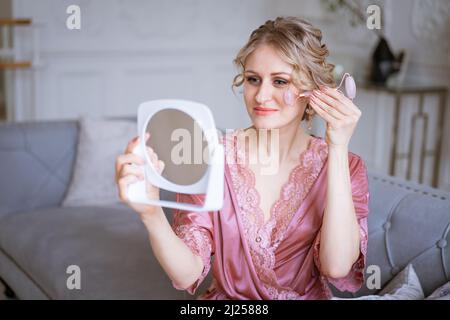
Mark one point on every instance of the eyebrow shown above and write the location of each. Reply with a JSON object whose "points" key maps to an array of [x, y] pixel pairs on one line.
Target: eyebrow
{"points": [[272, 74]]}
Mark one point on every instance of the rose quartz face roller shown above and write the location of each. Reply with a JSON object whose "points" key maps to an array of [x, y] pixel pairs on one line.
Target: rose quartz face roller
{"points": [[289, 97], [347, 81], [349, 86]]}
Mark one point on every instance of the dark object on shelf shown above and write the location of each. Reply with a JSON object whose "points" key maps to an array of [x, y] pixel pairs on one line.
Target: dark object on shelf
{"points": [[384, 62]]}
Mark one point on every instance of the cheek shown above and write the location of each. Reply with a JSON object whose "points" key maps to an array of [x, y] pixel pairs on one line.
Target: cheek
{"points": [[296, 110], [248, 96]]}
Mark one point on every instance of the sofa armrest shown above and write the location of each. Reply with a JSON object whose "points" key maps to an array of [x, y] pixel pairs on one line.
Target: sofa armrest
{"points": [[36, 163]]}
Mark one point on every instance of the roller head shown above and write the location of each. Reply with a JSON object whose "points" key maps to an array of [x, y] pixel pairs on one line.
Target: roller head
{"points": [[350, 87], [288, 98]]}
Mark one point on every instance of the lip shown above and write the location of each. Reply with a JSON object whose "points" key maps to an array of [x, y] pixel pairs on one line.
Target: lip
{"points": [[264, 111]]}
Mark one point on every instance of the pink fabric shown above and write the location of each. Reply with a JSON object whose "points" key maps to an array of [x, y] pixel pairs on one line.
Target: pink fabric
{"points": [[277, 259]]}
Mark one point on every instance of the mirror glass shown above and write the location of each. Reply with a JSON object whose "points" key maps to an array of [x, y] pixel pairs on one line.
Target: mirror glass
{"points": [[179, 141]]}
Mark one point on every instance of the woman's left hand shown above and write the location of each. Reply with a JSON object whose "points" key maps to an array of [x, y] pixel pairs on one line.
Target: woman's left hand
{"points": [[339, 112]]}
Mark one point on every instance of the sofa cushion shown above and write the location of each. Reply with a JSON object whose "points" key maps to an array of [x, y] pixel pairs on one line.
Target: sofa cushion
{"points": [[404, 286], [109, 244], [441, 293], [100, 142], [36, 163]]}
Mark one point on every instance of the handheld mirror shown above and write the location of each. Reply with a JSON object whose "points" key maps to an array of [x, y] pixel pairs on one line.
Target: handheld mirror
{"points": [[184, 136]]}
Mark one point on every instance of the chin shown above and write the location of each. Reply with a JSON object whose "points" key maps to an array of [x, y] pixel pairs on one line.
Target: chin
{"points": [[275, 122], [266, 124]]}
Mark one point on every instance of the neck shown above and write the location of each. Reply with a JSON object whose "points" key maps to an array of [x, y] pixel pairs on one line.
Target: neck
{"points": [[288, 141]]}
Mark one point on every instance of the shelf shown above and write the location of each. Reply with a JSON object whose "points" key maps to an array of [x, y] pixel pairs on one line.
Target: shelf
{"points": [[14, 22], [15, 65], [7, 52]]}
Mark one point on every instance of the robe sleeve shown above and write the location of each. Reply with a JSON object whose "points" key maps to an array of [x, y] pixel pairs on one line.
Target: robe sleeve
{"points": [[360, 193], [196, 231]]}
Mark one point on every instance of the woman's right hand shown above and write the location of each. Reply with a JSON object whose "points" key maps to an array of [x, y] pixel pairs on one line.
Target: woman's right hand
{"points": [[129, 170]]}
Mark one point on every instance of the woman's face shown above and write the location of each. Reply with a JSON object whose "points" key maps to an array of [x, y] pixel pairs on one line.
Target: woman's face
{"points": [[266, 78]]}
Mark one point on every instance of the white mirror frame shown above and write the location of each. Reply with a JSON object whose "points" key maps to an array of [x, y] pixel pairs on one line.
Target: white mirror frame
{"points": [[211, 184]]}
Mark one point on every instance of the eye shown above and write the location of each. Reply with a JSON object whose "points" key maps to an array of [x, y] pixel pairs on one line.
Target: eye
{"points": [[251, 80], [280, 82]]}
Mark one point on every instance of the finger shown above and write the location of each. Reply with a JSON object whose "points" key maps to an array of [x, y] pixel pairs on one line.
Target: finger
{"points": [[152, 155], [161, 166], [128, 169], [123, 184], [327, 108], [335, 94], [332, 92], [325, 116], [131, 144], [345, 103], [154, 159], [135, 141], [127, 158], [336, 104]]}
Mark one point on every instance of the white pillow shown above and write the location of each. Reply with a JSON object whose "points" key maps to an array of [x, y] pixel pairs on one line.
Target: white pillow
{"points": [[404, 286], [441, 293], [100, 142]]}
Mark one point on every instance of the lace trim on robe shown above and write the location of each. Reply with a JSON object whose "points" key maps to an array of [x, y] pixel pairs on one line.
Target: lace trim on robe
{"points": [[264, 238], [198, 241], [352, 281]]}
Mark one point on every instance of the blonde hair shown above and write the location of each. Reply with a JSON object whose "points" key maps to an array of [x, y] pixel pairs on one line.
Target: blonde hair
{"points": [[299, 44]]}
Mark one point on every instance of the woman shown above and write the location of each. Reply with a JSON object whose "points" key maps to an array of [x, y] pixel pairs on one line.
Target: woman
{"points": [[285, 234]]}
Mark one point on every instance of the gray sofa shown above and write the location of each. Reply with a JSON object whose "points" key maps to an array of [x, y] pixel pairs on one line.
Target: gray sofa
{"points": [[39, 239]]}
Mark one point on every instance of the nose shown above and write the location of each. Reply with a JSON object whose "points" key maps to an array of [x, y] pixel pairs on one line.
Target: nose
{"points": [[264, 94]]}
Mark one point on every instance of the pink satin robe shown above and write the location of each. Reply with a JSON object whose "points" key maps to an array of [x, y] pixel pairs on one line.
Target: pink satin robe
{"points": [[278, 259]]}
